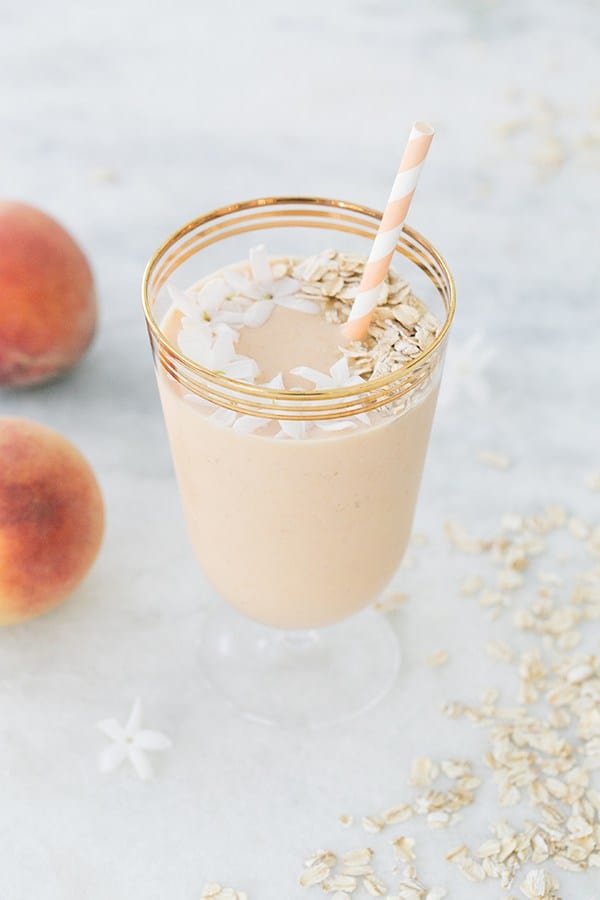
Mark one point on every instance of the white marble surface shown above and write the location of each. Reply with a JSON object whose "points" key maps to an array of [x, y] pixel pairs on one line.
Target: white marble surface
{"points": [[198, 104]]}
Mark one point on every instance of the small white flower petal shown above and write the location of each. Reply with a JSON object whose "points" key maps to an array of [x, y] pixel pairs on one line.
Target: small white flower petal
{"points": [[243, 368], [233, 317], [213, 293], [223, 350], [319, 379], [152, 740], [140, 762], [297, 303], [198, 327], [258, 313], [335, 424], [225, 417], [112, 729], [244, 289], [293, 428], [222, 328], [276, 383], [134, 721], [340, 372], [249, 424], [238, 282], [111, 757], [259, 264], [195, 346], [181, 301], [240, 302], [285, 286]]}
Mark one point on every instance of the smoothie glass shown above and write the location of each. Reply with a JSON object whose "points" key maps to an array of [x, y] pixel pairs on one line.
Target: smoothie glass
{"points": [[298, 536]]}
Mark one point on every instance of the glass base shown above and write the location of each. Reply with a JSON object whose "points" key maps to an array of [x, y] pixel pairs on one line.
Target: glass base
{"points": [[306, 679]]}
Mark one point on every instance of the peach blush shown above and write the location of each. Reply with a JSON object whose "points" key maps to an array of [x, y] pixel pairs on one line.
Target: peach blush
{"points": [[48, 299], [51, 519]]}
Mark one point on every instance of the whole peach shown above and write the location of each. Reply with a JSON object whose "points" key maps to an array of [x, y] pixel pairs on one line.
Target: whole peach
{"points": [[51, 519], [47, 298]]}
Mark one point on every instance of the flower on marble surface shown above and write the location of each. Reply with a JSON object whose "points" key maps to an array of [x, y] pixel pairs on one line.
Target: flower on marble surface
{"points": [[466, 371], [132, 742]]}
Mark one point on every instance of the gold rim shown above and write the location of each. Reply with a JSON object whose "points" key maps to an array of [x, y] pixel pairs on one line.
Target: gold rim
{"points": [[411, 246]]}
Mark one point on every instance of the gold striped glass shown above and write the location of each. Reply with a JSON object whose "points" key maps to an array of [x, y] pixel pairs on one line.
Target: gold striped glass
{"points": [[287, 223], [300, 536]]}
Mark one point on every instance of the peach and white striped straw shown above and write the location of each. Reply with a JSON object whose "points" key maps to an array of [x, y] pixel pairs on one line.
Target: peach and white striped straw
{"points": [[389, 231]]}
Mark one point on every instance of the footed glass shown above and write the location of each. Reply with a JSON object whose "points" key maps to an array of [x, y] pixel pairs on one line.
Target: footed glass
{"points": [[298, 536]]}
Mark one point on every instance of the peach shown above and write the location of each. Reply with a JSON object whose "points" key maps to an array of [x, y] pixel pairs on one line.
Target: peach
{"points": [[51, 519], [47, 298]]}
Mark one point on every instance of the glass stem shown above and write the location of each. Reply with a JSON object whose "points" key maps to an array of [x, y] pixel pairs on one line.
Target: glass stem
{"points": [[299, 641]]}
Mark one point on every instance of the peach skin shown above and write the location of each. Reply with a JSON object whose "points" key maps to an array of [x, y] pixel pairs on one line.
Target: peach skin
{"points": [[47, 298], [51, 519]]}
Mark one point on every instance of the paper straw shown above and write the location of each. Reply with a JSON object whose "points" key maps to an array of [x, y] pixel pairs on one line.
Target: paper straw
{"points": [[390, 227]]}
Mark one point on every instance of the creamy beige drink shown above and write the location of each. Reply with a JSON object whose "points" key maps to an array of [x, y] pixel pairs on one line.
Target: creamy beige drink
{"points": [[298, 524]]}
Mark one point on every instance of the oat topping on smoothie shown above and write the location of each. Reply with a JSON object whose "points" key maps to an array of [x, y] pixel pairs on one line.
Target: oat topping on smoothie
{"points": [[216, 314]]}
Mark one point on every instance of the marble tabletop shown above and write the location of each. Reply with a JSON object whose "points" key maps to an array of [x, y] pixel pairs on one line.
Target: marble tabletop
{"points": [[125, 120]]}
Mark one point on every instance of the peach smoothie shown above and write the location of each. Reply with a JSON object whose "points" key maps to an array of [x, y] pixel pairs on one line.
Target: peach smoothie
{"points": [[297, 524]]}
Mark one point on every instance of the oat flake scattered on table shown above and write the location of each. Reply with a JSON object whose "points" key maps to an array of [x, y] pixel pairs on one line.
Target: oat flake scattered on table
{"points": [[543, 748], [214, 891]]}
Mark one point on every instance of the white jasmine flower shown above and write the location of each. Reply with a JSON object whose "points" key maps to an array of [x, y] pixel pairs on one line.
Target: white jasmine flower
{"points": [[339, 377], [215, 350], [288, 428], [293, 428], [212, 294], [130, 742], [250, 424], [263, 286], [204, 304], [228, 418], [215, 303], [465, 371], [236, 300], [297, 429], [253, 316], [243, 424]]}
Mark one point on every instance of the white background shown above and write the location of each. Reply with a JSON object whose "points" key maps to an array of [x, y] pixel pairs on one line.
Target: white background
{"points": [[191, 105]]}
